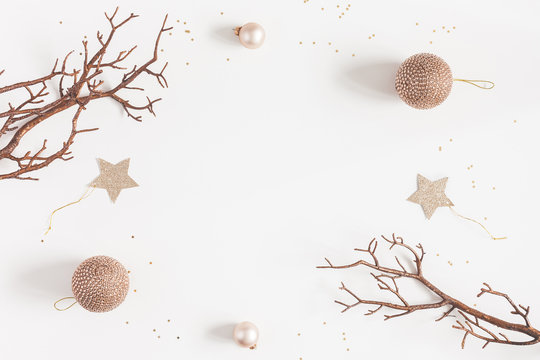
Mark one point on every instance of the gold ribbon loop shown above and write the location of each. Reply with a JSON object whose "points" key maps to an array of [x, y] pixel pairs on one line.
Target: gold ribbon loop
{"points": [[86, 194], [62, 299], [482, 84], [474, 221]]}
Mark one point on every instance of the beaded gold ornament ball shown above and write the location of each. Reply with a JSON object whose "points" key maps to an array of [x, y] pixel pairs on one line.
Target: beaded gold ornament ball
{"points": [[424, 81], [100, 284]]}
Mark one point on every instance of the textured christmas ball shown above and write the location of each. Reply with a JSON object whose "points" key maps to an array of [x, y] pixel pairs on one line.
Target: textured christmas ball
{"points": [[100, 284], [424, 81]]}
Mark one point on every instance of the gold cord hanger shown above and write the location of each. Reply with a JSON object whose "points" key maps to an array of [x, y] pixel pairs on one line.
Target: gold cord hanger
{"points": [[488, 85]]}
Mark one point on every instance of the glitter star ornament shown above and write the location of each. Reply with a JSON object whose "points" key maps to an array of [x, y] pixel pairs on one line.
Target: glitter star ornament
{"points": [[113, 178], [430, 195]]}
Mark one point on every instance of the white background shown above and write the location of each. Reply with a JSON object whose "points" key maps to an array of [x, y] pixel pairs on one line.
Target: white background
{"points": [[257, 168]]}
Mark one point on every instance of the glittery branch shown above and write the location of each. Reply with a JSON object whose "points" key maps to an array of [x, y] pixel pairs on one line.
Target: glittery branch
{"points": [[85, 87], [469, 320]]}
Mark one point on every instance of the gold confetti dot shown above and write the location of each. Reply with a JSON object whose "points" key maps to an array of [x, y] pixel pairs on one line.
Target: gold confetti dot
{"points": [[342, 333], [453, 27], [353, 55], [373, 35], [474, 304], [437, 254], [322, 9], [129, 271], [433, 30], [169, 320], [298, 334], [473, 181], [60, 22], [369, 37], [474, 186], [187, 63], [324, 323], [338, 6], [192, 39], [177, 21], [178, 337], [448, 31], [170, 33], [329, 43], [42, 240], [314, 43], [127, 322], [161, 50], [185, 23], [228, 59], [451, 140], [337, 50], [515, 121], [417, 24], [221, 13], [133, 236], [485, 218], [187, 31], [159, 337], [494, 188], [347, 349], [440, 148], [134, 290], [340, 16], [431, 42], [150, 263], [466, 262], [342, 13], [154, 330], [300, 43], [444, 27], [344, 339]]}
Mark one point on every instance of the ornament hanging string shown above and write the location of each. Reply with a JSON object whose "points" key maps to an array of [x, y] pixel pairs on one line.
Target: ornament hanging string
{"points": [[490, 84], [477, 222], [86, 194], [62, 299]]}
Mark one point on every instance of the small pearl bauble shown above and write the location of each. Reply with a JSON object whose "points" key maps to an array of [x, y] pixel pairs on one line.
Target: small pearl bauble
{"points": [[246, 334], [251, 35], [424, 81]]}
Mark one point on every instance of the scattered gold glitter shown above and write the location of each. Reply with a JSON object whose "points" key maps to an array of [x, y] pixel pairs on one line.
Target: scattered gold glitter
{"points": [[161, 50], [85, 36], [324, 323], [127, 322], [322, 9], [466, 262], [159, 337], [185, 23], [515, 121], [221, 13], [60, 22], [494, 188], [347, 349], [340, 16], [342, 333], [473, 181], [453, 27], [187, 63], [369, 37], [338, 6], [474, 186], [437, 254], [154, 330], [431, 42], [448, 31], [177, 21], [344, 339], [228, 59], [444, 27], [440, 148], [417, 24], [451, 140], [187, 31], [314, 43], [329, 43], [134, 290], [337, 50], [485, 218], [80, 53], [433, 30], [192, 39], [300, 43], [373, 35], [353, 55]]}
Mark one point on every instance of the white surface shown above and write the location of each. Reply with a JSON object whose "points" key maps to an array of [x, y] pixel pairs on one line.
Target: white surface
{"points": [[256, 169]]}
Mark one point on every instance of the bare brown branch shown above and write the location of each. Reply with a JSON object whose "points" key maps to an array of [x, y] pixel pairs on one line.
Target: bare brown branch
{"points": [[472, 322], [86, 86]]}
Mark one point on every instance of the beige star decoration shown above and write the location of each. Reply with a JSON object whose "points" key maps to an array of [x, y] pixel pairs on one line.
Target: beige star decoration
{"points": [[430, 195], [113, 178]]}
